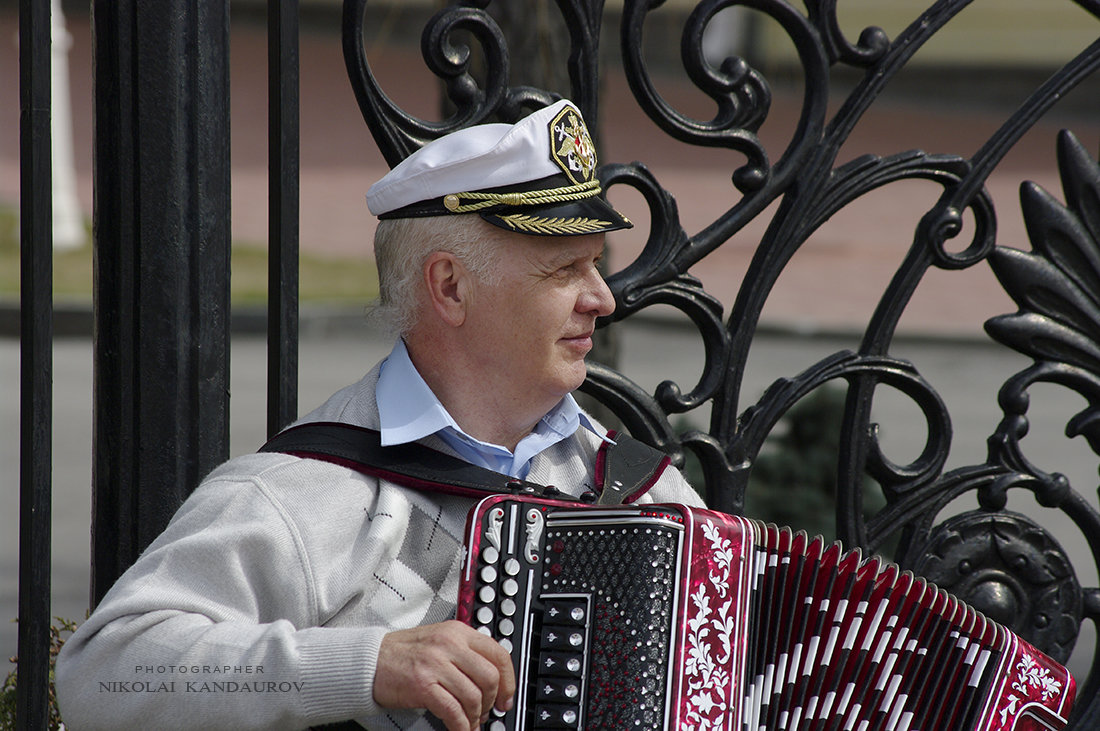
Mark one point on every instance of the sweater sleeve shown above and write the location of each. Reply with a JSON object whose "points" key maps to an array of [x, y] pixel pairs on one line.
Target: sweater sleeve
{"points": [[221, 621]]}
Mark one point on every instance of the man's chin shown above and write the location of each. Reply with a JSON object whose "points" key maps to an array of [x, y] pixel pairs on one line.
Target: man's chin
{"points": [[579, 377]]}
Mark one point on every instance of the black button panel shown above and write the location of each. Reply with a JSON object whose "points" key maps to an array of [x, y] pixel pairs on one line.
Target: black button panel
{"points": [[583, 602]]}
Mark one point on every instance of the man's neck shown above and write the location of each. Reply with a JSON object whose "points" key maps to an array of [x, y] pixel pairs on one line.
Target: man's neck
{"points": [[482, 408]]}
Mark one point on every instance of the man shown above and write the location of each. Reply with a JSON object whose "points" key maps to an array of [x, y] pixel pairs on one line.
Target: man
{"points": [[291, 592]]}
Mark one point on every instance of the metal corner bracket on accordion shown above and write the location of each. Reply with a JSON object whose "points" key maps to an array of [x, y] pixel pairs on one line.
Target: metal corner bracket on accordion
{"points": [[670, 617]]}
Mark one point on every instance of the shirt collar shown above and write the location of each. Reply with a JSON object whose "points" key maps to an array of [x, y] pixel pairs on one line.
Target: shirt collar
{"points": [[408, 410]]}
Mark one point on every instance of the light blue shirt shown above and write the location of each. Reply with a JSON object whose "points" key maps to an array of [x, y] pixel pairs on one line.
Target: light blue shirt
{"points": [[408, 410]]}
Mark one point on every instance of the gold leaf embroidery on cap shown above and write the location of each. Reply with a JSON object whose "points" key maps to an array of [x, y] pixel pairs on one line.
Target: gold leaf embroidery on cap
{"points": [[571, 146], [559, 226]]}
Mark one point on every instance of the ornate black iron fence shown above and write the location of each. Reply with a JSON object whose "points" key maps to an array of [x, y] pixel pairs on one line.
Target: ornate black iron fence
{"points": [[162, 248], [1030, 583]]}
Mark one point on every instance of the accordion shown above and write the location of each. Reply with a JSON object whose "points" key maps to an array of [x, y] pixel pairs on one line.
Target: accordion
{"points": [[670, 617]]}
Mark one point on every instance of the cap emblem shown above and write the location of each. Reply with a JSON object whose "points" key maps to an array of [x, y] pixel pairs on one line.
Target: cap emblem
{"points": [[571, 146]]}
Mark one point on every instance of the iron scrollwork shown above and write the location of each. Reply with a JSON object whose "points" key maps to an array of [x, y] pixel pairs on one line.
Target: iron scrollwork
{"points": [[1007, 564]]}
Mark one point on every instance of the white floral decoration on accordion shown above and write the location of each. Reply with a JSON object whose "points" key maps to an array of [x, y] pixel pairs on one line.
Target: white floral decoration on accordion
{"points": [[707, 676], [1035, 675], [1030, 674], [723, 556]]}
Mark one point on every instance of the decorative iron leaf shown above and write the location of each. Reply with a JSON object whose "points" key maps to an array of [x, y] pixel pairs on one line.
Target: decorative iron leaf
{"points": [[1080, 182], [1045, 339], [1038, 286], [1057, 286]]}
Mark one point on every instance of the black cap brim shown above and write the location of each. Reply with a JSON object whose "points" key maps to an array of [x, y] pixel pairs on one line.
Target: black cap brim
{"points": [[578, 215]]}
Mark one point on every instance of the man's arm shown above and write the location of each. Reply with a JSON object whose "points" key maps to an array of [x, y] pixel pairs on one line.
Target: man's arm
{"points": [[214, 626], [221, 622]]}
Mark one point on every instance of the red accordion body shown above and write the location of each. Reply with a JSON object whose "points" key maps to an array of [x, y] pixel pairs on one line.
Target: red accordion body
{"points": [[671, 617]]}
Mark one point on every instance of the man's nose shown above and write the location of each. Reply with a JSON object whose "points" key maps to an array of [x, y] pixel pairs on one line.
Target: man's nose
{"points": [[597, 298]]}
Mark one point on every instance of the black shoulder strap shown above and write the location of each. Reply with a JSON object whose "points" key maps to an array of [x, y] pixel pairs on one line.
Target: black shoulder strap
{"points": [[413, 465], [624, 469]]}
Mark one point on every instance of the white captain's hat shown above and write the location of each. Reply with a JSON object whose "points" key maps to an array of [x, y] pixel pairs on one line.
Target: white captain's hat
{"points": [[537, 176]]}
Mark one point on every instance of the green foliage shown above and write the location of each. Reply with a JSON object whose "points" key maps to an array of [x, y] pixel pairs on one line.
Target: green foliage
{"points": [[322, 279], [58, 634], [794, 479], [72, 269], [9, 229]]}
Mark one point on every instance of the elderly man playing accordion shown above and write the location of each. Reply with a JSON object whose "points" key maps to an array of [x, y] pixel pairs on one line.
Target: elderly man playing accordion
{"points": [[338, 588]]}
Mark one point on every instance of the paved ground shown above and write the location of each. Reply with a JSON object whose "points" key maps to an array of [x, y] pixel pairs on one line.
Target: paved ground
{"points": [[832, 284]]}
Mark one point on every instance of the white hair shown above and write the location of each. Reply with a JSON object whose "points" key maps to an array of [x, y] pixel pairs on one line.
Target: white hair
{"points": [[401, 246]]}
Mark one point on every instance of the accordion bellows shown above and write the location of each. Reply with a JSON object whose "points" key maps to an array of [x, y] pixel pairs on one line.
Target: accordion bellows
{"points": [[670, 617]]}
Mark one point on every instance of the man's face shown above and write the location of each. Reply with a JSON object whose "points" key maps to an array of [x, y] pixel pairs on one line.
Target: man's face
{"points": [[534, 326]]}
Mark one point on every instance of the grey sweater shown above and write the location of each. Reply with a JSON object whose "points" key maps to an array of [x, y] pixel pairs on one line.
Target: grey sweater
{"points": [[263, 603]]}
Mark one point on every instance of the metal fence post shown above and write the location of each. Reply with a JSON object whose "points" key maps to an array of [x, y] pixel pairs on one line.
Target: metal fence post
{"points": [[162, 235], [36, 365], [283, 190]]}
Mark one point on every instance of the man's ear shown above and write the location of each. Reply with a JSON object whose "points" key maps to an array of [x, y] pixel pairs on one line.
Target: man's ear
{"points": [[448, 284]]}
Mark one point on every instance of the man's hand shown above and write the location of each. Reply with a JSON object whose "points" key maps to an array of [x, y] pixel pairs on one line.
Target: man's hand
{"points": [[451, 669]]}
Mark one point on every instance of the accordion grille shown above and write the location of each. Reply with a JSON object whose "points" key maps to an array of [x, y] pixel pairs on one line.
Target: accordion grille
{"points": [[629, 573]]}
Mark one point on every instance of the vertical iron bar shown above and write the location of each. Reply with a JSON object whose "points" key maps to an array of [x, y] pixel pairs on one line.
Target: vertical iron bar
{"points": [[36, 363], [114, 263], [283, 187], [161, 260]]}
